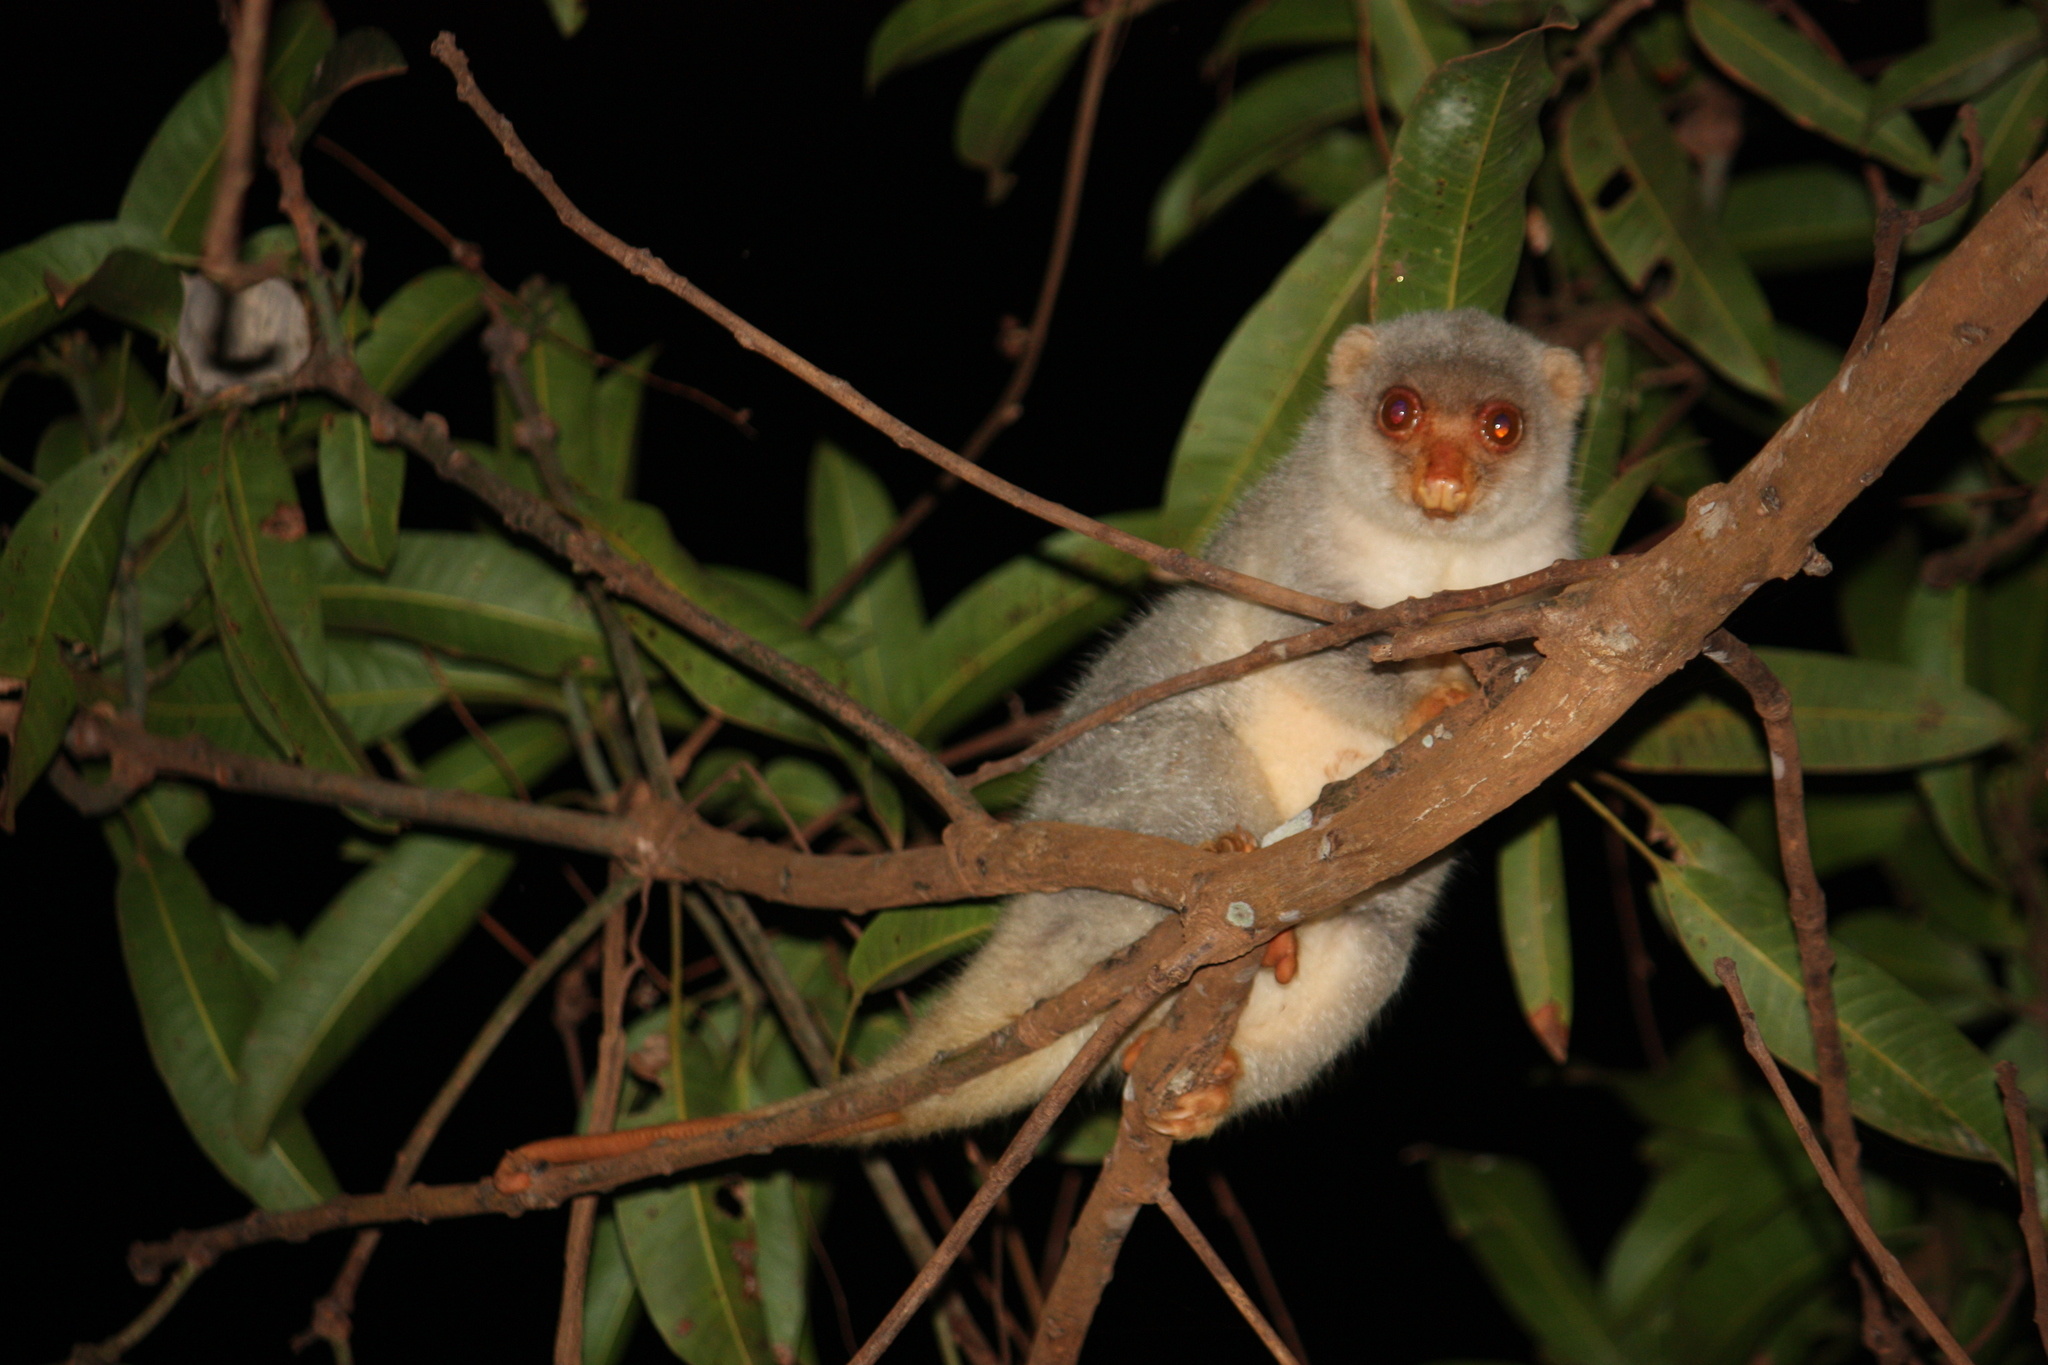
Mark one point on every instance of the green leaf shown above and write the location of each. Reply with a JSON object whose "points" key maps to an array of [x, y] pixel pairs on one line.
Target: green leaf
{"points": [[564, 381], [201, 698], [384, 933], [1268, 377], [615, 436], [1284, 23], [1605, 517], [1604, 427], [1843, 830], [1017, 619], [171, 190], [360, 56], [1853, 715], [1331, 171], [611, 1301], [361, 483], [1910, 1072], [55, 572], [379, 687], [2010, 119], [1637, 192], [1010, 89], [1961, 63], [1535, 925], [918, 30], [1501, 1209], [1935, 638], [424, 317], [1929, 879], [900, 944], [879, 628], [139, 289], [467, 594], [1410, 40], [1804, 83], [716, 684], [2010, 640], [72, 255], [251, 540], [1947, 973], [1266, 124], [195, 1006], [1799, 217]]}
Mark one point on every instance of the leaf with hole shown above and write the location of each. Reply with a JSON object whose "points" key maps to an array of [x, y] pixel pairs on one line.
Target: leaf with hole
{"points": [[1804, 83], [385, 932], [1636, 190], [1456, 204], [1268, 377], [195, 1005]]}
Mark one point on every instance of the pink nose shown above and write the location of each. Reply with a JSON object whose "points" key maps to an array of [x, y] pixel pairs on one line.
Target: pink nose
{"points": [[1443, 482]]}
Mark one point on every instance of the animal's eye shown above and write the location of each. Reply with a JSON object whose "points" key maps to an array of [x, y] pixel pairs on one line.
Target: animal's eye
{"points": [[1400, 410], [1500, 425]]}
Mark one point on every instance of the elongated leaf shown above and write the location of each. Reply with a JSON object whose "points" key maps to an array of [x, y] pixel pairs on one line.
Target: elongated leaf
{"points": [[139, 289], [171, 190], [1019, 618], [1853, 715], [918, 30], [1010, 89], [251, 540], [1959, 64], [1946, 972], [615, 435], [1410, 40], [1285, 23], [195, 1006], [379, 687], [72, 255], [1928, 879], [360, 486], [1934, 637], [1805, 84], [358, 57], [2010, 640], [1500, 1208], [611, 1300], [1451, 236], [901, 944], [386, 930], [2010, 120], [201, 698], [564, 381], [1267, 123], [55, 573], [423, 318], [1536, 927], [1637, 193], [472, 595], [1604, 426], [1602, 522], [1331, 171], [716, 684], [1268, 377], [1910, 1072], [1798, 217], [879, 628]]}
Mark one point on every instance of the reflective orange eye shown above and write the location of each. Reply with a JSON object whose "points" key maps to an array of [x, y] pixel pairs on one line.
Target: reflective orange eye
{"points": [[1500, 425], [1400, 410]]}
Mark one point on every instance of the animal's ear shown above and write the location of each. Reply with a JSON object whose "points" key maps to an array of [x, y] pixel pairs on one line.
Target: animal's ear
{"points": [[1566, 375], [1354, 351]]}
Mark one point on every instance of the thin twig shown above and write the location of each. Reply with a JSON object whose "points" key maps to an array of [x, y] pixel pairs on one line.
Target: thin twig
{"points": [[1368, 88], [1635, 953], [513, 782], [1888, 1266], [220, 257], [1255, 1256], [1009, 404], [1895, 225], [116, 1347], [1970, 561], [331, 1314], [604, 1110], [651, 268], [2015, 1101], [1807, 902], [1206, 1253]]}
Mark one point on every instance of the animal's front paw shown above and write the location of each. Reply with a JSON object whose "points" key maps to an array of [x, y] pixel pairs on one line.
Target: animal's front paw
{"points": [[1283, 955], [1195, 1113], [1239, 840]]}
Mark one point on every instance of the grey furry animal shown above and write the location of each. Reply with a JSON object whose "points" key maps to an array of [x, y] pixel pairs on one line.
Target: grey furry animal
{"points": [[1440, 458]]}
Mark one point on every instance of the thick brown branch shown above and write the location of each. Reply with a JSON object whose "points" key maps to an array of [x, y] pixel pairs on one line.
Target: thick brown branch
{"points": [[220, 256], [1888, 1266], [655, 271]]}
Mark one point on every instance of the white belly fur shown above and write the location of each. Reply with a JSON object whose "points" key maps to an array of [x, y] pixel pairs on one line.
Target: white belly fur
{"points": [[1298, 743]]}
